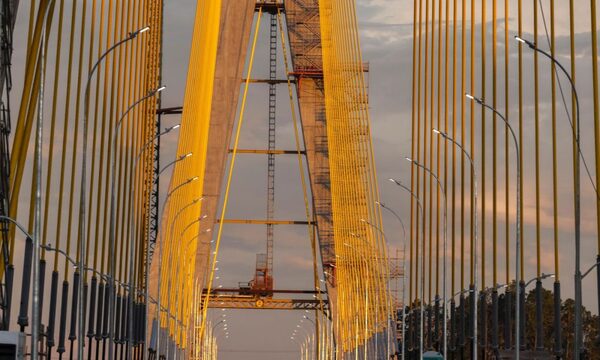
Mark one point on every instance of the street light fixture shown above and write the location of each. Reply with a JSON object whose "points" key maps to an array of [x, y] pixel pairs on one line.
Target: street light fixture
{"points": [[437, 179], [132, 228], [475, 293], [384, 206], [170, 264], [578, 341], [517, 225], [161, 251], [82, 217], [539, 278], [420, 207], [112, 234]]}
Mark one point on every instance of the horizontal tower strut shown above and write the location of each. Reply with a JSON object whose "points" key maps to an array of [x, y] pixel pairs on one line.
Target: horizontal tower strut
{"points": [[170, 110], [269, 81], [266, 222], [270, 7], [251, 302], [269, 152], [236, 291]]}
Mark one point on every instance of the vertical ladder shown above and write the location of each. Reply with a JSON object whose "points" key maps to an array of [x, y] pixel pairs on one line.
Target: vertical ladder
{"points": [[271, 146]]}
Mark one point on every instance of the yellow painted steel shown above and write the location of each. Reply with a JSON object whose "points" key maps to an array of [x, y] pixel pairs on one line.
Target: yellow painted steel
{"points": [[506, 142], [573, 100], [554, 144], [361, 269], [537, 142], [453, 134], [179, 258], [483, 148], [596, 101]]}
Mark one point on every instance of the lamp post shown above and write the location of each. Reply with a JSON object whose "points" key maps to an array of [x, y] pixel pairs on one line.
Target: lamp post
{"points": [[476, 271], [115, 135], [111, 239], [82, 206], [578, 344], [384, 206], [132, 288], [309, 319], [309, 344], [160, 265], [35, 314], [437, 179], [539, 278], [188, 181], [300, 345], [517, 222], [181, 158], [462, 292], [177, 272], [420, 206]]}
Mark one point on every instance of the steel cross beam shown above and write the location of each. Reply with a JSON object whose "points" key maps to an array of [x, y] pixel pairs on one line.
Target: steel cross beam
{"points": [[265, 222], [259, 303], [270, 6]]}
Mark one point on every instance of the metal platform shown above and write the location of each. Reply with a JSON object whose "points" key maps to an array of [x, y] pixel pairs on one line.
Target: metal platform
{"points": [[260, 303]]}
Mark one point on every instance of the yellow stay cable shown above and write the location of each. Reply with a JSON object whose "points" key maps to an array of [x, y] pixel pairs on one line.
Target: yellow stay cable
{"points": [[381, 261], [230, 175], [372, 181], [596, 91], [63, 152], [353, 45], [520, 32], [453, 134], [419, 235], [494, 146], [506, 140], [94, 111], [412, 154], [140, 88], [121, 150], [102, 166], [94, 127], [30, 27], [26, 113], [482, 232], [554, 148], [53, 126], [358, 255], [75, 142], [127, 137], [537, 142], [573, 100], [429, 163], [472, 205], [352, 217], [438, 152], [462, 139], [107, 121], [426, 130]]}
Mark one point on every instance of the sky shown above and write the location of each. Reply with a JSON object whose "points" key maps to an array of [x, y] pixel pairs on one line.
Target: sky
{"points": [[386, 38]]}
